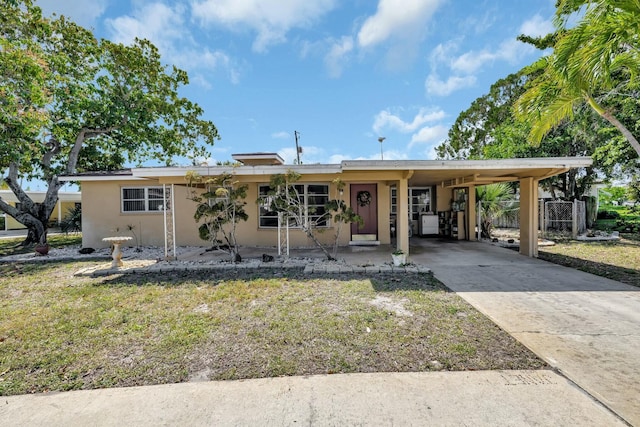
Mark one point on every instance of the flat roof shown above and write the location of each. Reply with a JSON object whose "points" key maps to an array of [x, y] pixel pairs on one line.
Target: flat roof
{"points": [[418, 172]]}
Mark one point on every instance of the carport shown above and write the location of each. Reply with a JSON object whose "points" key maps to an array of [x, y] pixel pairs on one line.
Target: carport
{"points": [[446, 176]]}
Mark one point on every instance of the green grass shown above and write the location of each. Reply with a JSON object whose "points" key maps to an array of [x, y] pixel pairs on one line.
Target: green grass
{"points": [[626, 216], [10, 246], [59, 332]]}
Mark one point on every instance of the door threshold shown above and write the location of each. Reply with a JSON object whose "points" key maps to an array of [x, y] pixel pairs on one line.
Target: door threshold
{"points": [[364, 243]]}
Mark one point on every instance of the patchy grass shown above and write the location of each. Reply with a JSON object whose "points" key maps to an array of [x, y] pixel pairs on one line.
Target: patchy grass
{"points": [[617, 260], [10, 246], [59, 332]]}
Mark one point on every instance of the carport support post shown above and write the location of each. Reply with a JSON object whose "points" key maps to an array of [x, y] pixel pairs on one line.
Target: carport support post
{"points": [[402, 221], [529, 217], [471, 206]]}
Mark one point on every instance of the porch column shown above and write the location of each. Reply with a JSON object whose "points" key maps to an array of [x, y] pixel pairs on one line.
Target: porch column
{"points": [[529, 217], [473, 215], [402, 221]]}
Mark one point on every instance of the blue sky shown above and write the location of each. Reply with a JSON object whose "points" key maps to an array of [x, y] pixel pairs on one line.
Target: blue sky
{"points": [[341, 73]]}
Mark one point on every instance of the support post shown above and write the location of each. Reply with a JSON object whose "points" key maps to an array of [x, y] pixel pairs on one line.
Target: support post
{"points": [[169, 223], [529, 217], [574, 218], [471, 206], [402, 221]]}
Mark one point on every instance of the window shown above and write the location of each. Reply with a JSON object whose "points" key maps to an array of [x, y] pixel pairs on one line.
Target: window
{"points": [[419, 201], [142, 199], [314, 197]]}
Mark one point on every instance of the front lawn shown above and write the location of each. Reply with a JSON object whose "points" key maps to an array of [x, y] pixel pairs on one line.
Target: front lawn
{"points": [[9, 246], [59, 332], [617, 260]]}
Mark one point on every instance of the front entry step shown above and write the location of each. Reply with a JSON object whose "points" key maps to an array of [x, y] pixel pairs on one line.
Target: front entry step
{"points": [[364, 240]]}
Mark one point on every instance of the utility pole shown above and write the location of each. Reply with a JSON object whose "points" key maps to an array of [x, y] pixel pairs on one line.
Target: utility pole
{"points": [[296, 134]]}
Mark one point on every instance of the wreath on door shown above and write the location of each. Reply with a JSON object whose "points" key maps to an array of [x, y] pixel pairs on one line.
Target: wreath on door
{"points": [[363, 198]]}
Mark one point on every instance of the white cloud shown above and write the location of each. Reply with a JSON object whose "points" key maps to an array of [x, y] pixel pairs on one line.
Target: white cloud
{"points": [[271, 20], [166, 28], [435, 86], [537, 27], [338, 55], [464, 67], [310, 154], [429, 135], [509, 50], [387, 154], [82, 12], [154, 21], [386, 120], [281, 135], [397, 19]]}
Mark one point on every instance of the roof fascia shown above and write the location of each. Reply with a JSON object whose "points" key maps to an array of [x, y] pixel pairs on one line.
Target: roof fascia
{"points": [[532, 163], [236, 170]]}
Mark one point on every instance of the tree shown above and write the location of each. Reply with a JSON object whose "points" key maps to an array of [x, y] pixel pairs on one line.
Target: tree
{"points": [[220, 208], [285, 198], [71, 103], [476, 127], [613, 194], [489, 130], [496, 200], [596, 59]]}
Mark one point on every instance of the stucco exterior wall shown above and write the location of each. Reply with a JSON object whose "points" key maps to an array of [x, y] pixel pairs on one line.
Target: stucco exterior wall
{"points": [[103, 217], [443, 198]]}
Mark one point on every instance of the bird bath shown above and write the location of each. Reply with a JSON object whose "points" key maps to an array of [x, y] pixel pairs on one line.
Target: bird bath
{"points": [[117, 253]]}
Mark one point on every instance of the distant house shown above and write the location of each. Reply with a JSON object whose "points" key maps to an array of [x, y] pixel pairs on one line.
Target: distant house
{"points": [[66, 200], [403, 198]]}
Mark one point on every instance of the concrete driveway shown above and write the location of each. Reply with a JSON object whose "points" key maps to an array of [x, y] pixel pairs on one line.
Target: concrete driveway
{"points": [[585, 326]]}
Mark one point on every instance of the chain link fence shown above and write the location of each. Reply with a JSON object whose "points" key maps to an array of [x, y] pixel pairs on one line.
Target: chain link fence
{"points": [[564, 217], [554, 216]]}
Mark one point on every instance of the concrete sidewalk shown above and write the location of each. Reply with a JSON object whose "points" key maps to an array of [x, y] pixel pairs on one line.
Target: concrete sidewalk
{"points": [[489, 398]]}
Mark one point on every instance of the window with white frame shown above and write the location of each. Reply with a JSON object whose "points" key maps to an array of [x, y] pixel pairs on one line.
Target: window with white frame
{"points": [[142, 199], [313, 197], [419, 201]]}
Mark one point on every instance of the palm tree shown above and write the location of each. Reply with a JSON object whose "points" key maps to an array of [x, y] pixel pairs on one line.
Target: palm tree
{"points": [[496, 201], [596, 59]]}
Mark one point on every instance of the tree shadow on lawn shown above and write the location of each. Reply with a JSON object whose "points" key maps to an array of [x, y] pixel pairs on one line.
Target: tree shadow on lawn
{"points": [[624, 275], [381, 282]]}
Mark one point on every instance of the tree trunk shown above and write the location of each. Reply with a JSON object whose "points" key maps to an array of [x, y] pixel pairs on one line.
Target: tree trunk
{"points": [[34, 216], [607, 115]]}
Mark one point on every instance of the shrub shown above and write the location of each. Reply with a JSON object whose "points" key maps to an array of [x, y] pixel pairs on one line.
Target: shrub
{"points": [[72, 221], [608, 215]]}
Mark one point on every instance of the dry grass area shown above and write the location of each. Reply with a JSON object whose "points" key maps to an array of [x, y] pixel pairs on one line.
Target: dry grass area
{"points": [[59, 332], [617, 260]]}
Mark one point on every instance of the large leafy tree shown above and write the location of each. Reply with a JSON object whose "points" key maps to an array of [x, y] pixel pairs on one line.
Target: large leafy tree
{"points": [[70, 102], [477, 127], [489, 130], [593, 62]]}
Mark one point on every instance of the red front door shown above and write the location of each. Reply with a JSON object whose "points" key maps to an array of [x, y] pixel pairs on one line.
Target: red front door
{"points": [[364, 201]]}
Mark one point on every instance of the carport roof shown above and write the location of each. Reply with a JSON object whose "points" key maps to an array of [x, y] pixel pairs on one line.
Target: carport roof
{"points": [[447, 173]]}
